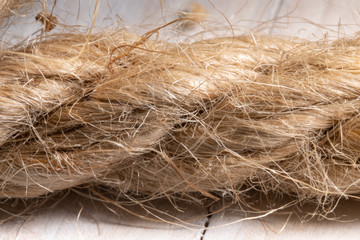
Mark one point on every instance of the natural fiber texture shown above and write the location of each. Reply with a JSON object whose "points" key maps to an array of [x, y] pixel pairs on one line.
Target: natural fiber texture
{"points": [[9, 8], [149, 118]]}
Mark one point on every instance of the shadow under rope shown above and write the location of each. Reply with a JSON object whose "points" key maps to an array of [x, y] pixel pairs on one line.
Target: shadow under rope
{"points": [[70, 211]]}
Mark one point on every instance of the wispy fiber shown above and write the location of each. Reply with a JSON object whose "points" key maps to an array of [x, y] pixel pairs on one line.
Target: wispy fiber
{"points": [[209, 119]]}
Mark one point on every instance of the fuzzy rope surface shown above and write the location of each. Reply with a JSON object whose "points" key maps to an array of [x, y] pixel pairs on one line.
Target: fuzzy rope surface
{"points": [[150, 118]]}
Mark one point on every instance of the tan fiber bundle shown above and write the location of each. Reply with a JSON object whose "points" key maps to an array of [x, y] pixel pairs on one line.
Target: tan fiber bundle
{"points": [[149, 118]]}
